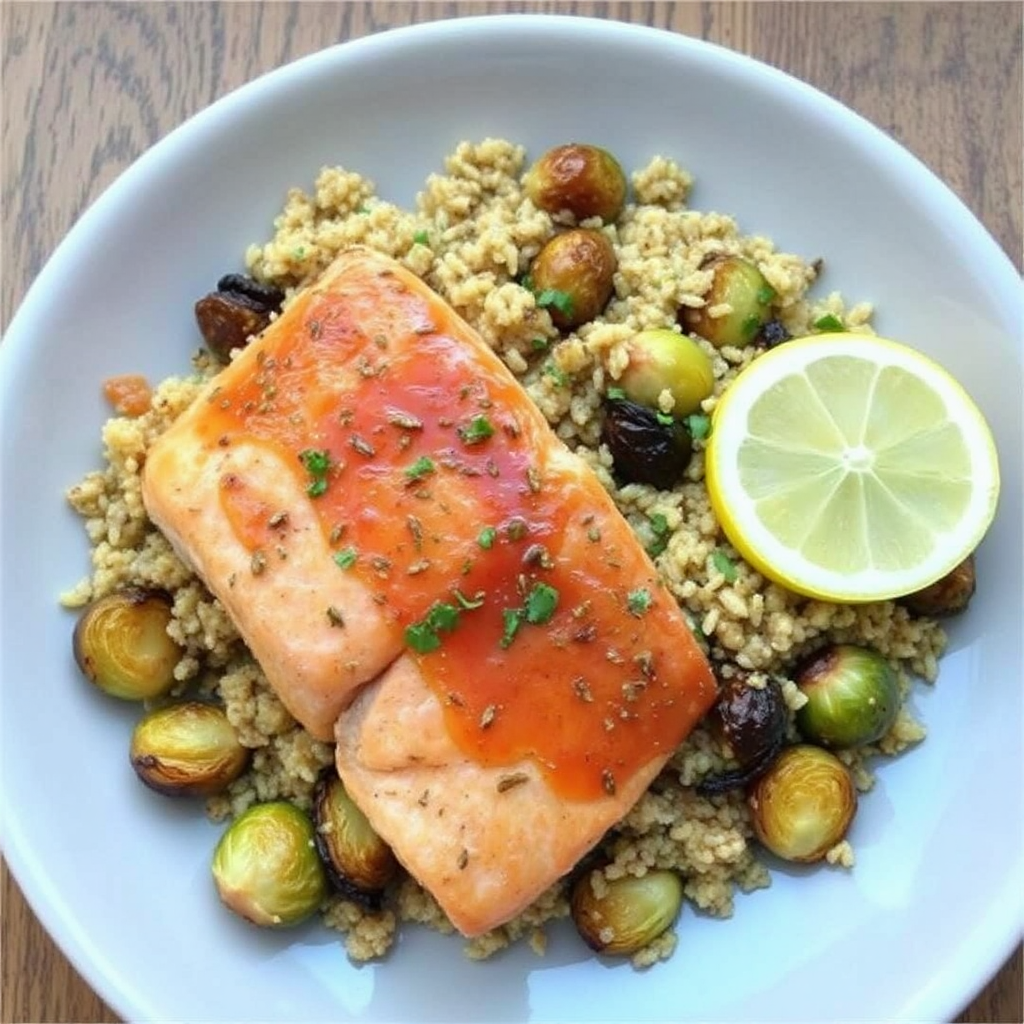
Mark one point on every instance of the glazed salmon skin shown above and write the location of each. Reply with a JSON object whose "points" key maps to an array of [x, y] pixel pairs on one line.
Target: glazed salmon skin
{"points": [[429, 577]]}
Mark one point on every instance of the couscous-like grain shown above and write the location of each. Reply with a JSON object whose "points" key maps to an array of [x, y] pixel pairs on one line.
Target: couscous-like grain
{"points": [[471, 237]]}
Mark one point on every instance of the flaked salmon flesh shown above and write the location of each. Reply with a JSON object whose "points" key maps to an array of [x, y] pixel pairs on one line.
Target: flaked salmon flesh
{"points": [[430, 579]]}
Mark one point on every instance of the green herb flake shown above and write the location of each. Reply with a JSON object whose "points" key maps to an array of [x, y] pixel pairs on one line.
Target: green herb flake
{"points": [[317, 462], [765, 294], [539, 344], [725, 565], [659, 527], [699, 425], [513, 619], [486, 537], [316, 488], [828, 322], [664, 419], [562, 301], [422, 467], [638, 601], [616, 394], [421, 638], [479, 429], [556, 374], [541, 603], [421, 238], [346, 558], [299, 252], [442, 617], [526, 282]]}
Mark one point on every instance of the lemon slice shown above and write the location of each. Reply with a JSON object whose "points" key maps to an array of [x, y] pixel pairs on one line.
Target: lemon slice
{"points": [[850, 468]]}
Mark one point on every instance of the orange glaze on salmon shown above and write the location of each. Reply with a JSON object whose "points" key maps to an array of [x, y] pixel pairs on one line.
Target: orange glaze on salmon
{"points": [[389, 519]]}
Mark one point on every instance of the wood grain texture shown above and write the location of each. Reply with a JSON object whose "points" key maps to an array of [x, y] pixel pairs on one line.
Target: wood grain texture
{"points": [[88, 87]]}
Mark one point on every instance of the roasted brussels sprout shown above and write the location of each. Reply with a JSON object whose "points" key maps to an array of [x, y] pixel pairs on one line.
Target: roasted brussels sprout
{"points": [[573, 276], [358, 861], [737, 283], [803, 804], [665, 360], [852, 697], [121, 644], [187, 749], [629, 914], [585, 180], [947, 596], [266, 868], [645, 450], [751, 721], [239, 308]]}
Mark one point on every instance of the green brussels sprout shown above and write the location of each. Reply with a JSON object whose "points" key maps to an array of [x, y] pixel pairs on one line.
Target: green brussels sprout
{"points": [[121, 644], [573, 276], [187, 749], [358, 861], [266, 867], [631, 912], [665, 360], [735, 282], [852, 697], [803, 804], [949, 595], [585, 180]]}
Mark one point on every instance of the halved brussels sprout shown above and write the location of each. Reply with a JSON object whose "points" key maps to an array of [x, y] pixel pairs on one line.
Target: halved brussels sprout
{"points": [[358, 861], [949, 595], [187, 749], [803, 804], [852, 697], [121, 644], [630, 914], [735, 282], [573, 276], [585, 180], [266, 867], [665, 360]]}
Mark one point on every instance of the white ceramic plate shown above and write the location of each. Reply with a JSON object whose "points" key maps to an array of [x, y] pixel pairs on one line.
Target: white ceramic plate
{"points": [[122, 879]]}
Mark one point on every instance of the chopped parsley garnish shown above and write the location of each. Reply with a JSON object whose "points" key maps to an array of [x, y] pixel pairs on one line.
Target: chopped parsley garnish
{"points": [[556, 374], [828, 322], [422, 467], [562, 301], [299, 252], [699, 425], [513, 619], [765, 294], [421, 238], [724, 564], [751, 325], [638, 601], [346, 558], [659, 527], [317, 462], [526, 282], [541, 603], [478, 429], [664, 419], [616, 394], [424, 636], [539, 344], [486, 537]]}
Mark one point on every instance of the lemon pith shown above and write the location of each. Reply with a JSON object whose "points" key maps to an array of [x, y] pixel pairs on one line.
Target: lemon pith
{"points": [[848, 467]]}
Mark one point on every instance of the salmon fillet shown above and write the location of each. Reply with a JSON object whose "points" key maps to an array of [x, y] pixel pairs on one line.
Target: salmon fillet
{"points": [[430, 578]]}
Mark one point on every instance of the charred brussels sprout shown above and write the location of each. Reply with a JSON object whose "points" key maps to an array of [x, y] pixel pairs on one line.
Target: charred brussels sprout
{"points": [[266, 868], [585, 180], [629, 914], [947, 596], [187, 749], [645, 449], [665, 360], [573, 276], [358, 861], [239, 308], [852, 697], [803, 805], [737, 283], [751, 721], [121, 644]]}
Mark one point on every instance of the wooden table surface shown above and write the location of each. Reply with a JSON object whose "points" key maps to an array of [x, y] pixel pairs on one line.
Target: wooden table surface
{"points": [[88, 87]]}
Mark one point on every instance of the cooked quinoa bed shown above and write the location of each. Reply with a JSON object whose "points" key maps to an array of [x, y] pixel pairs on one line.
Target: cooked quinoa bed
{"points": [[471, 237]]}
